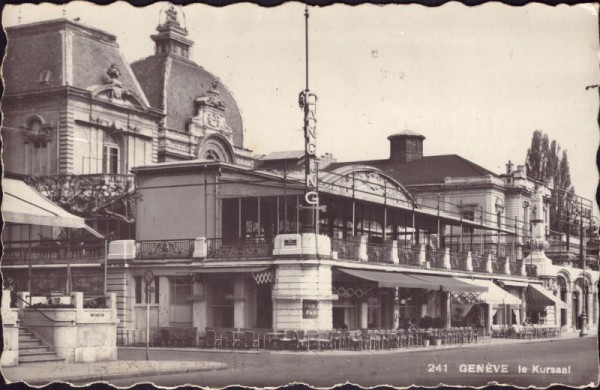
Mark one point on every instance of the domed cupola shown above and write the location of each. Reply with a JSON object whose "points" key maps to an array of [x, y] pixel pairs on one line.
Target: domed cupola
{"points": [[197, 105], [171, 38]]}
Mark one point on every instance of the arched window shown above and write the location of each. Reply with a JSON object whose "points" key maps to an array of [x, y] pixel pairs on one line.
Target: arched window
{"points": [[37, 151], [111, 155]]}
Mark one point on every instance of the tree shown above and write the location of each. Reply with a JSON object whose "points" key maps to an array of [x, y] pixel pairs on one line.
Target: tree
{"points": [[544, 161]]}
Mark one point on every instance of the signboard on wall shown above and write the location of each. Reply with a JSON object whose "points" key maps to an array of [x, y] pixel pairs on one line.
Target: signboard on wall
{"points": [[310, 309]]}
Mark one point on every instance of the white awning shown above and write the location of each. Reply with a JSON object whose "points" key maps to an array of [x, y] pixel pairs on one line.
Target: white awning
{"points": [[494, 295], [22, 204], [538, 296], [513, 283]]}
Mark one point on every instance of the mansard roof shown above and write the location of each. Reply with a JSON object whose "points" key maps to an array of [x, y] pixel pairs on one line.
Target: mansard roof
{"points": [[62, 52], [426, 170], [173, 83]]}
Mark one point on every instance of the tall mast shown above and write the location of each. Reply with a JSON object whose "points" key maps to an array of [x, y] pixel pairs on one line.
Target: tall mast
{"points": [[308, 102]]}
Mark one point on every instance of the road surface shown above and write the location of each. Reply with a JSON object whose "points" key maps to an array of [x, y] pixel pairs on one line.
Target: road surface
{"points": [[568, 361]]}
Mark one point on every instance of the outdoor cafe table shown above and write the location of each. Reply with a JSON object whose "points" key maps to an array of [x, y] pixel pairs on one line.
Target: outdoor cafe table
{"points": [[270, 336]]}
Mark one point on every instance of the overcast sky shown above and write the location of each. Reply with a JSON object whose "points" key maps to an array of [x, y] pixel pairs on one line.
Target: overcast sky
{"points": [[475, 81]]}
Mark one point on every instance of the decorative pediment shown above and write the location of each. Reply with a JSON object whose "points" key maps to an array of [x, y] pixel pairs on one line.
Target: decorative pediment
{"points": [[367, 183], [210, 116], [36, 131]]}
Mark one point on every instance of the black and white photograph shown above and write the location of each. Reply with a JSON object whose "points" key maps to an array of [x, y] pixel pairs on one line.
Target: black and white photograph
{"points": [[367, 195]]}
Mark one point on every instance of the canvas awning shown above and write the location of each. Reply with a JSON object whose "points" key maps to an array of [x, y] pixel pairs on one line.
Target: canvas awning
{"points": [[22, 204], [538, 296], [494, 295], [513, 283], [387, 279], [448, 283]]}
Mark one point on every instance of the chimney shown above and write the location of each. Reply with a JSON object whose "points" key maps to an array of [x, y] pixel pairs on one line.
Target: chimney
{"points": [[406, 146], [509, 167]]}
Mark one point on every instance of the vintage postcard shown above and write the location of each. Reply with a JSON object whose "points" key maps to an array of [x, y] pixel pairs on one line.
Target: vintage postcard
{"points": [[375, 195]]}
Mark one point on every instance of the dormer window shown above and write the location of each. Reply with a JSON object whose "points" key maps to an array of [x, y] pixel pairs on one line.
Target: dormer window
{"points": [[44, 78]]}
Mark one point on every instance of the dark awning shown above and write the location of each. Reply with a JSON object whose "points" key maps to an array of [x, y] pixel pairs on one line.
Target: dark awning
{"points": [[387, 279], [539, 297], [228, 270], [448, 283]]}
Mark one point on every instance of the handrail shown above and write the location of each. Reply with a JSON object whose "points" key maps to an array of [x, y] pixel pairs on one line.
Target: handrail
{"points": [[43, 314]]}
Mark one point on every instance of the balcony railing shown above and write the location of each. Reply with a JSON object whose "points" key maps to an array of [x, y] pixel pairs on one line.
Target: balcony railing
{"points": [[346, 249], [352, 249], [52, 251], [379, 253], [458, 261], [238, 248], [478, 263], [435, 258], [408, 256], [172, 249], [515, 268]]}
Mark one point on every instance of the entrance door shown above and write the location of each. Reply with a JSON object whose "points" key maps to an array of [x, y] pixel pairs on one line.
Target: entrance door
{"points": [[180, 309]]}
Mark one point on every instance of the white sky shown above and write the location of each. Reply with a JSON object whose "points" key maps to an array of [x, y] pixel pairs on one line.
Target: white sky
{"points": [[475, 81]]}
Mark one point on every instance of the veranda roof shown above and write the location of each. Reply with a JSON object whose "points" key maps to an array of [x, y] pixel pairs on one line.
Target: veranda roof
{"points": [[22, 204], [494, 294]]}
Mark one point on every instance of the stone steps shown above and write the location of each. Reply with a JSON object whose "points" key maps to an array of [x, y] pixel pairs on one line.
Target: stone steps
{"points": [[32, 350]]}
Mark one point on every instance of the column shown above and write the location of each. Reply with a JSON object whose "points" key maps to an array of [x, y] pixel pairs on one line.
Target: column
{"points": [[163, 301], [447, 308], [569, 302], [589, 309], [240, 296], [199, 307], [523, 307], [364, 315], [302, 297]]}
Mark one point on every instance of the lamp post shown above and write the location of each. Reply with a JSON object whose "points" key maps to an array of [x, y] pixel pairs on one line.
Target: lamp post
{"points": [[583, 331]]}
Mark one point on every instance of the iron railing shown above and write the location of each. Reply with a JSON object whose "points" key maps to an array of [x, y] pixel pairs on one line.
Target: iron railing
{"points": [[407, 256], [346, 249], [167, 249], [217, 248], [379, 253], [435, 258], [52, 251]]}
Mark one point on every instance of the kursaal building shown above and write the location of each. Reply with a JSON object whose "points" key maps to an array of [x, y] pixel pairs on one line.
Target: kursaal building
{"points": [[151, 154]]}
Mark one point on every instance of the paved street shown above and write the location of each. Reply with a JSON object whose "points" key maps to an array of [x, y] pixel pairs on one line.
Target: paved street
{"points": [[427, 368]]}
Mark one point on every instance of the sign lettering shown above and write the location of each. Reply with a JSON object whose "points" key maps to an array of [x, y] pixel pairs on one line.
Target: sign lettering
{"points": [[310, 309]]}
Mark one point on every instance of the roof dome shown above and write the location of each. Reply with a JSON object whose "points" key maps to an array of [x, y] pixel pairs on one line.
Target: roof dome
{"points": [[172, 82]]}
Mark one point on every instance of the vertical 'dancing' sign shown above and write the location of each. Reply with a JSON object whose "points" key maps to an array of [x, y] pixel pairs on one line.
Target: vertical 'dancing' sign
{"points": [[308, 101]]}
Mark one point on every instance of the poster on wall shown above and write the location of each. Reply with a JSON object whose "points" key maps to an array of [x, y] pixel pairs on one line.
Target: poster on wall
{"points": [[310, 309]]}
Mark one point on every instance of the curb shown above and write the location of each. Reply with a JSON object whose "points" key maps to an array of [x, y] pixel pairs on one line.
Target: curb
{"points": [[104, 378], [362, 352]]}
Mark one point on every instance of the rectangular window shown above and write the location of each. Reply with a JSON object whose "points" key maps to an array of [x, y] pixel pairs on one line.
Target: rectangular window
{"points": [[110, 160], [140, 290], [181, 289], [468, 215]]}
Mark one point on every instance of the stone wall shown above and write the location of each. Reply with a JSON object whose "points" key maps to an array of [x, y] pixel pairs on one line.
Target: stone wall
{"points": [[76, 334], [296, 286]]}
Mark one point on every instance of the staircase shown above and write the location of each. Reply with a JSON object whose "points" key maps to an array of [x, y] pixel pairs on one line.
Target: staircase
{"points": [[32, 350]]}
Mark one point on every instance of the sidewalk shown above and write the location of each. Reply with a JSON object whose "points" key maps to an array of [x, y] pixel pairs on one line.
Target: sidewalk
{"points": [[41, 374], [481, 343]]}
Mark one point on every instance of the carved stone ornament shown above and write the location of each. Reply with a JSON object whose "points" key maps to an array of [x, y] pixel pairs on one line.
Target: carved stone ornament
{"points": [[171, 18], [40, 134], [211, 98]]}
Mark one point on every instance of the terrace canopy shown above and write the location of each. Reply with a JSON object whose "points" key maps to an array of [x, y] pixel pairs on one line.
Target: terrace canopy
{"points": [[495, 295], [24, 205], [399, 279]]}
